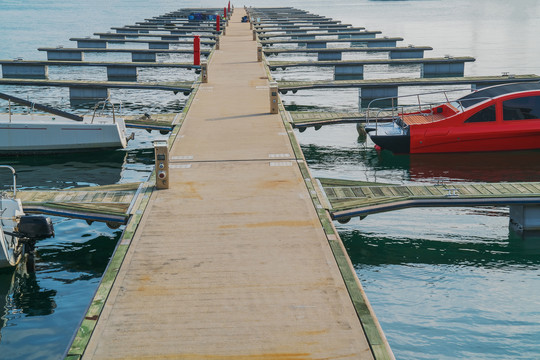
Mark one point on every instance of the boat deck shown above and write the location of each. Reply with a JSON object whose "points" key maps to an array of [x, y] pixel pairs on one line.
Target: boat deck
{"points": [[419, 119]]}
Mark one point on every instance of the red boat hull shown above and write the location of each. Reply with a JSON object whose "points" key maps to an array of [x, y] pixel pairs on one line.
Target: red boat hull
{"points": [[522, 136]]}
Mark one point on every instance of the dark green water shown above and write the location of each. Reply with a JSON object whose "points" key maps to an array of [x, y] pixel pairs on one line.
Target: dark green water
{"points": [[444, 283]]}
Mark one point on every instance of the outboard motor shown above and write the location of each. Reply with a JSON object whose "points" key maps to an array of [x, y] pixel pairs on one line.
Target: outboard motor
{"points": [[35, 227]]}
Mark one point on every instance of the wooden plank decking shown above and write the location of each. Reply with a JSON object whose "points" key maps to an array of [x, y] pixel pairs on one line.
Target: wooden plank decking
{"points": [[348, 198], [232, 261], [97, 203]]}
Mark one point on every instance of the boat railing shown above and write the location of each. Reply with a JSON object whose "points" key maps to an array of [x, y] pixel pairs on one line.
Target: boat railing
{"points": [[101, 107], [14, 178], [394, 110], [35, 106]]}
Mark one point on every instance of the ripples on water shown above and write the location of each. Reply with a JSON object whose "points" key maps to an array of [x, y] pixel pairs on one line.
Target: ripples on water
{"points": [[445, 283]]}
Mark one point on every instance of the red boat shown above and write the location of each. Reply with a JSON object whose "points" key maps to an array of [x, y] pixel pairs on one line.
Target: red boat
{"points": [[502, 117]]}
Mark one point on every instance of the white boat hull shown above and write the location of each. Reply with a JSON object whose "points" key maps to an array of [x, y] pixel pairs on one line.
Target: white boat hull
{"points": [[11, 251], [48, 133]]}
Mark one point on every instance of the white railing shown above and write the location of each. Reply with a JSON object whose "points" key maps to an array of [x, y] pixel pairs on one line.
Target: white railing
{"points": [[14, 178], [425, 108], [103, 105]]}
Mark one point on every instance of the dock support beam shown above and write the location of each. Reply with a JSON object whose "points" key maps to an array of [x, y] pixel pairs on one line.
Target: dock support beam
{"points": [[65, 55], [25, 71], [85, 95], [326, 56], [396, 54], [349, 72], [91, 44], [525, 217], [316, 45], [143, 57], [122, 73], [382, 43], [369, 93], [158, 45], [443, 69]]}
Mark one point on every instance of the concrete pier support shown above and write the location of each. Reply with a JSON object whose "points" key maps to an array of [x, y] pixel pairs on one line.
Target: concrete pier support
{"points": [[93, 44], [443, 69], [416, 54], [86, 95], [143, 57], [158, 45], [369, 93], [25, 71], [349, 72], [121, 73], [326, 56], [65, 55], [525, 217]]}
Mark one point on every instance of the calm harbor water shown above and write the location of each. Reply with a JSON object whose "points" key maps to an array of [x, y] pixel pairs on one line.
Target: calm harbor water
{"points": [[444, 283]]}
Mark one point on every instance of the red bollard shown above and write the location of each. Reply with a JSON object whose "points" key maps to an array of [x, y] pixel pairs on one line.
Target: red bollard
{"points": [[217, 22], [196, 50]]}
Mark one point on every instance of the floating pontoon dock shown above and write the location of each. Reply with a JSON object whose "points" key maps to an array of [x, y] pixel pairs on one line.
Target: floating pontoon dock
{"points": [[234, 260]]}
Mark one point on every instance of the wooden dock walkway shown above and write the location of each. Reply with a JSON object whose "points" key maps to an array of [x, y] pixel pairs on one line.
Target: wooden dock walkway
{"points": [[109, 203], [348, 198], [234, 260]]}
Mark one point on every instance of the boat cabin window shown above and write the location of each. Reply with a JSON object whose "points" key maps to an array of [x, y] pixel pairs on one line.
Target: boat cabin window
{"points": [[484, 115], [523, 108]]}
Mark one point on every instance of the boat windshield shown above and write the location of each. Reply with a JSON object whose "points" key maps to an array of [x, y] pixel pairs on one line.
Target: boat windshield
{"points": [[457, 105], [494, 91]]}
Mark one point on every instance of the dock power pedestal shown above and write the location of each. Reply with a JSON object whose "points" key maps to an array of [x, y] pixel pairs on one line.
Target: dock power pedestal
{"points": [[161, 151]]}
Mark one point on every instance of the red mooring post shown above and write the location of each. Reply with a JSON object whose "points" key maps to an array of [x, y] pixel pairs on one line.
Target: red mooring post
{"points": [[196, 50], [217, 22]]}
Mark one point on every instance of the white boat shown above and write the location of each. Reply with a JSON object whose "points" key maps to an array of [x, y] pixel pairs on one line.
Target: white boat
{"points": [[59, 131], [19, 232], [35, 133]]}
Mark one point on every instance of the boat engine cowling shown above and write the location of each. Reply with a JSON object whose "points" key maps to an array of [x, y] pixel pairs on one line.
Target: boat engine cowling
{"points": [[35, 227]]}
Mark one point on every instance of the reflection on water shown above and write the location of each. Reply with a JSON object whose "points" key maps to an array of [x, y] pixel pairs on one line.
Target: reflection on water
{"points": [[65, 170], [68, 268]]}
